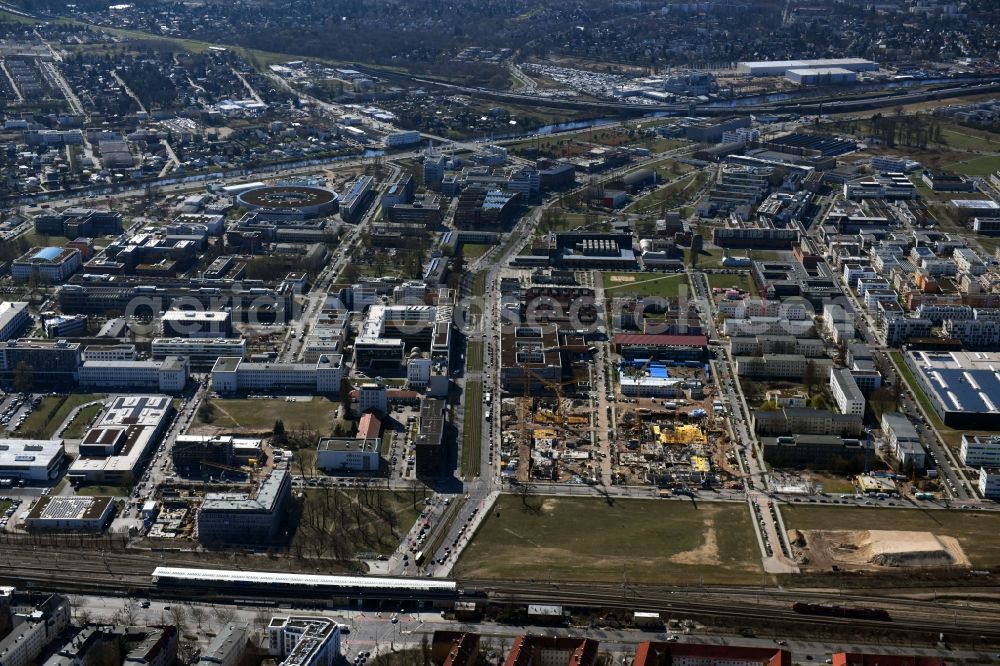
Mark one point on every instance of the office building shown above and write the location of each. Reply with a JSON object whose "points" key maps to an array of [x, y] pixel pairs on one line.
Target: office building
{"points": [[846, 393], [401, 139], [254, 517], [989, 482], [196, 324], [14, 319], [530, 357], [980, 450], [373, 396], [429, 449], [433, 170], [52, 265], [304, 640], [234, 375], [52, 362], [31, 459], [65, 326], [70, 513], [348, 454], [780, 366], [167, 376], [904, 440], [201, 354], [815, 451], [125, 435]]}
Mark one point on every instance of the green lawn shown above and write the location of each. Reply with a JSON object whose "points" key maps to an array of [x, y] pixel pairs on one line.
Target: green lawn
{"points": [[83, 418], [346, 524], [114, 491], [977, 166], [472, 426], [49, 415], [259, 415], [975, 530], [474, 250], [617, 285], [474, 355], [726, 281], [965, 138], [590, 538]]}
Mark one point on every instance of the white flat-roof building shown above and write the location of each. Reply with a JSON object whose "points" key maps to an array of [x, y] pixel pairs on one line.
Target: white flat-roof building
{"points": [[304, 641], [125, 434], [31, 459], [169, 375], [351, 454], [196, 324], [846, 392], [14, 319], [980, 450], [234, 375], [46, 264], [781, 67], [989, 482]]}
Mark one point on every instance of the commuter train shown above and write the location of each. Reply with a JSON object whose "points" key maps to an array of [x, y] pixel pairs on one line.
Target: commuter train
{"points": [[840, 611]]}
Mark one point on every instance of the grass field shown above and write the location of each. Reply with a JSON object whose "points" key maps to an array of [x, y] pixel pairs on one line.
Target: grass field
{"points": [[474, 250], [479, 285], [78, 426], [346, 524], [474, 355], [975, 530], [114, 491], [977, 166], [618, 285], [472, 426], [586, 538], [54, 409], [726, 281], [259, 415]]}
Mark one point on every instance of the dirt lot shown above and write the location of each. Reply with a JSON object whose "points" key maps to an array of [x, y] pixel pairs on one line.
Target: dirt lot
{"points": [[874, 550]]}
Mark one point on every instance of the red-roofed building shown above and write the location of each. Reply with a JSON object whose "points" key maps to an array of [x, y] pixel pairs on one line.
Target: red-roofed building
{"points": [[652, 653], [863, 659], [370, 426], [676, 347], [455, 648], [552, 651]]}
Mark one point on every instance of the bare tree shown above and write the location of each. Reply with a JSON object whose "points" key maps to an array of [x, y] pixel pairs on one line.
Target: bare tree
{"points": [[198, 614], [178, 615]]}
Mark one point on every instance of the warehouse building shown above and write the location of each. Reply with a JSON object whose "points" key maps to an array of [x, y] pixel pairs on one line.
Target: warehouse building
{"points": [[963, 387], [781, 67], [70, 513], [31, 459], [821, 76], [246, 518]]}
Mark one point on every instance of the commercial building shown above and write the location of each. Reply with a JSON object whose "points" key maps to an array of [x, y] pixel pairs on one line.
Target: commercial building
{"points": [[168, 376], [70, 513], [125, 435], [962, 386], [234, 375], [31, 459], [815, 451], [529, 357], [196, 324], [429, 449], [255, 517], [14, 319], [374, 397], [904, 440], [304, 640], [46, 264], [846, 393], [989, 482], [781, 67], [200, 354], [348, 454], [980, 450]]}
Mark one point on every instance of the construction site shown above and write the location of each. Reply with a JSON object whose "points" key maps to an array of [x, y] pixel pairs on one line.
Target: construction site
{"points": [[552, 431]]}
